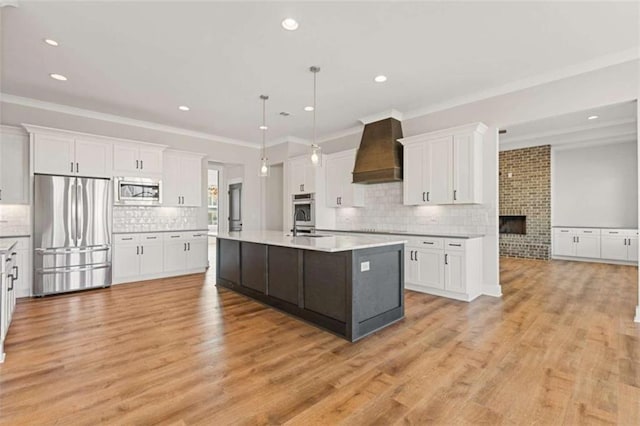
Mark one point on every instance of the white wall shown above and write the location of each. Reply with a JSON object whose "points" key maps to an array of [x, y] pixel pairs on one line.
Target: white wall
{"points": [[595, 186]]}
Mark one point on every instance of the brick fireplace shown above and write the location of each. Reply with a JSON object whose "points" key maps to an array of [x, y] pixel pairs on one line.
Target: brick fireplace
{"points": [[525, 203]]}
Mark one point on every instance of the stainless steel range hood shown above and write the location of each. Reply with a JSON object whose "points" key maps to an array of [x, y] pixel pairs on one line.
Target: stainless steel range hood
{"points": [[379, 157]]}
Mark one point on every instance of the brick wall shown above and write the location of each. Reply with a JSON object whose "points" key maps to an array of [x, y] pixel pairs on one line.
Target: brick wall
{"points": [[527, 192]]}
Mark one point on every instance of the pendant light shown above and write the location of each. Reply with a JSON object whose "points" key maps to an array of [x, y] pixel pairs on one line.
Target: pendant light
{"points": [[316, 151], [264, 166]]}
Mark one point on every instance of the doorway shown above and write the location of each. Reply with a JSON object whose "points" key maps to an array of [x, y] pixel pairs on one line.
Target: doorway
{"points": [[235, 206]]}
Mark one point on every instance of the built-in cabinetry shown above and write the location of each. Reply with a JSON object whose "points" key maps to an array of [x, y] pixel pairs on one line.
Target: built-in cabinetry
{"points": [[303, 175], [9, 273], [444, 167], [22, 280], [145, 256], [341, 192], [444, 266], [14, 166], [137, 159], [63, 153], [182, 179], [618, 245]]}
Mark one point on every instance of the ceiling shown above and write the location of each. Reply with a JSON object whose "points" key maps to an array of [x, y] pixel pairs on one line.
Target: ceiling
{"points": [[143, 59], [614, 123]]}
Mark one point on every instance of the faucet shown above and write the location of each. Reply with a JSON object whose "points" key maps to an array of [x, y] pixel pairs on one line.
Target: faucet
{"points": [[294, 231]]}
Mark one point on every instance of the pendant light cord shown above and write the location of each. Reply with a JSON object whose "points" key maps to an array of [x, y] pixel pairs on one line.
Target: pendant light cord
{"points": [[315, 76]]}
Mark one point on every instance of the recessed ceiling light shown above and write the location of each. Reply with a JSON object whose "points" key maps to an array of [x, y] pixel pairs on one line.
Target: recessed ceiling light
{"points": [[50, 42], [308, 108], [263, 128], [592, 117], [184, 108], [290, 24], [380, 78], [58, 77]]}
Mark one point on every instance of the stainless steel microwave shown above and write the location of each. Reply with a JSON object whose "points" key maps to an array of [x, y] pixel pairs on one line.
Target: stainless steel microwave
{"points": [[137, 191]]}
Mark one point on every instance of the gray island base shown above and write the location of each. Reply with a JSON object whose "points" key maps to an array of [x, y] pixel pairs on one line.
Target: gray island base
{"points": [[349, 286]]}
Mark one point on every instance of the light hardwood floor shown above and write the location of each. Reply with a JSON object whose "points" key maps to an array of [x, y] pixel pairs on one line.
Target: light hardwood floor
{"points": [[559, 347]]}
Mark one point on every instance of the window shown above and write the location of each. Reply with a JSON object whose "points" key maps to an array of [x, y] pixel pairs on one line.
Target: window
{"points": [[212, 200]]}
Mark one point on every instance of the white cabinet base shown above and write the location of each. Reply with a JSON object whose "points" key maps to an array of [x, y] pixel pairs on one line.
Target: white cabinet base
{"points": [[465, 297], [159, 276]]}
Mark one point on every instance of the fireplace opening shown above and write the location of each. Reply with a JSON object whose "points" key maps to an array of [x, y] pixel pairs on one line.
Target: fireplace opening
{"points": [[513, 225]]}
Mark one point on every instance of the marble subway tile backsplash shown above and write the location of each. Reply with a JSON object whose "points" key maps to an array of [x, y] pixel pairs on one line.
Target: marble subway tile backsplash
{"points": [[15, 220], [145, 219], [385, 212]]}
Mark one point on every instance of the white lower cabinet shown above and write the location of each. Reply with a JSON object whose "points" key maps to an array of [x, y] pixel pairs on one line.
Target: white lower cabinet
{"points": [[619, 245], [155, 255], [444, 267], [22, 260]]}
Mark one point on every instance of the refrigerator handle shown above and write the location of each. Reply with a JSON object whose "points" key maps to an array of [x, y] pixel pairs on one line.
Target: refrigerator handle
{"points": [[73, 212], [80, 212]]}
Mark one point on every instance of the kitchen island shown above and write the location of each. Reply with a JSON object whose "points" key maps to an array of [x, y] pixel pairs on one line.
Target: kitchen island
{"points": [[349, 285]]}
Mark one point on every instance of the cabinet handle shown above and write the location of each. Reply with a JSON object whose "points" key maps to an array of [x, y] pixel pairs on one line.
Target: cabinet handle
{"points": [[455, 245], [137, 250], [446, 259], [141, 164], [141, 249], [455, 195], [303, 187], [189, 246], [0, 194], [174, 236], [72, 167], [152, 238], [137, 164], [423, 197], [428, 242], [625, 241], [411, 255], [127, 239], [185, 247], [15, 276], [427, 196]]}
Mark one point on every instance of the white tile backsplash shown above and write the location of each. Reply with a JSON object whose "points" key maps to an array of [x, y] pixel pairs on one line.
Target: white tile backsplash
{"points": [[15, 220], [144, 219], [385, 212]]}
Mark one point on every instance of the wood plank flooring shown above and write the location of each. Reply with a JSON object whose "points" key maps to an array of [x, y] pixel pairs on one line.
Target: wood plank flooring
{"points": [[559, 348]]}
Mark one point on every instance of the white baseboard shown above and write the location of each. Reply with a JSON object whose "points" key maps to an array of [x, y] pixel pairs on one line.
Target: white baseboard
{"points": [[158, 276], [494, 290], [637, 318], [464, 297], [595, 260]]}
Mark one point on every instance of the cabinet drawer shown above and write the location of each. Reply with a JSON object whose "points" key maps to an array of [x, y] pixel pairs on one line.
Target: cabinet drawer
{"points": [[454, 245], [126, 238], [175, 236], [151, 238], [620, 232], [565, 231], [595, 232], [430, 243], [198, 235]]}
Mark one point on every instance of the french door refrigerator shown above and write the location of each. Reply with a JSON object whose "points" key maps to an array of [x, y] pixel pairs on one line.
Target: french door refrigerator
{"points": [[72, 234]]}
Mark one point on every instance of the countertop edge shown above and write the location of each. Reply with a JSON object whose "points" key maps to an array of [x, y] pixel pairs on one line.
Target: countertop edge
{"points": [[14, 236], [306, 247], [405, 234], [157, 232]]}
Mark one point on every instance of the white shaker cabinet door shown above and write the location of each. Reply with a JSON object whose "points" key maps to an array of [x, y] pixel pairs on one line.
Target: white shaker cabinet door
{"points": [[614, 248], [151, 257], [431, 268], [564, 244], [93, 158], [175, 255], [413, 175], [588, 246], [14, 168], [150, 161], [191, 170], [632, 254], [455, 272], [197, 253], [438, 172], [54, 155], [171, 180], [126, 261]]}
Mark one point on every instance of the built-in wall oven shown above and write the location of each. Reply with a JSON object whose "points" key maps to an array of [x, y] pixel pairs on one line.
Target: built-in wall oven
{"points": [[137, 191], [304, 212]]}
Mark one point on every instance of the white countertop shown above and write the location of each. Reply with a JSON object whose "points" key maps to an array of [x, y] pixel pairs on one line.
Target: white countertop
{"points": [[404, 233], [6, 245], [331, 243]]}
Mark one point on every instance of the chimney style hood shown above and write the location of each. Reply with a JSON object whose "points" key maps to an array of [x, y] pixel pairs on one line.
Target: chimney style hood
{"points": [[379, 157]]}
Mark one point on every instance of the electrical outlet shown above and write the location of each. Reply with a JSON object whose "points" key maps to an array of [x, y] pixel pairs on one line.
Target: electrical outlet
{"points": [[364, 266]]}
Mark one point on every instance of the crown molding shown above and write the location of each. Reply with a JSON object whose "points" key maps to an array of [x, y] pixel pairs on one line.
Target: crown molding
{"points": [[391, 113], [567, 130], [526, 83], [572, 143], [86, 113], [589, 144], [340, 134]]}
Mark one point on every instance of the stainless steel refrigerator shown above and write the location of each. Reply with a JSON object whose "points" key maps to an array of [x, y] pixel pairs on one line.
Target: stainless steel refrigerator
{"points": [[72, 235]]}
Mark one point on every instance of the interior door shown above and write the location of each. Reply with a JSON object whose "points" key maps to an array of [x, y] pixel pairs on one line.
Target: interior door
{"points": [[235, 207]]}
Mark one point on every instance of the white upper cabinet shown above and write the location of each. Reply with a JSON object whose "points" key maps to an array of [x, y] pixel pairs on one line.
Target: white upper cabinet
{"points": [[132, 160], [67, 153], [341, 192], [444, 167], [182, 179], [302, 176], [14, 166]]}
